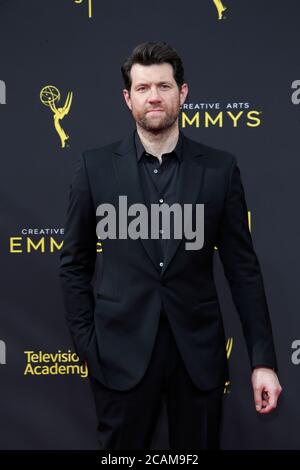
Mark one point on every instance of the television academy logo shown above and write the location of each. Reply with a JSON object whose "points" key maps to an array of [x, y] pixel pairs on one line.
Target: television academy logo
{"points": [[2, 352], [40, 363], [2, 92]]}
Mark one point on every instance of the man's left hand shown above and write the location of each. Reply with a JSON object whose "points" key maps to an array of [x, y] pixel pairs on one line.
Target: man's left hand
{"points": [[266, 389]]}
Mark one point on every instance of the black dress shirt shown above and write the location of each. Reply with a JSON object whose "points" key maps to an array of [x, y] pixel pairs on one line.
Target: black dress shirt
{"points": [[159, 182]]}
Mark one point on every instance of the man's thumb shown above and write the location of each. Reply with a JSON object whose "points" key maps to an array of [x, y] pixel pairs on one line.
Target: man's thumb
{"points": [[257, 399]]}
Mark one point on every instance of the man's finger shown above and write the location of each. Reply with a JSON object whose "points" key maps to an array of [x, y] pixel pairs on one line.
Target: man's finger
{"points": [[265, 399], [272, 402], [258, 398]]}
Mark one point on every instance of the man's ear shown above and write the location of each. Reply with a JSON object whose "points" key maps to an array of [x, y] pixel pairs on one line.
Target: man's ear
{"points": [[126, 95], [183, 93]]}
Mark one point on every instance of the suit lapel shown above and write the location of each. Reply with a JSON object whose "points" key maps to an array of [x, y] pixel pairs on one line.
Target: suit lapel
{"points": [[129, 184], [190, 181]]}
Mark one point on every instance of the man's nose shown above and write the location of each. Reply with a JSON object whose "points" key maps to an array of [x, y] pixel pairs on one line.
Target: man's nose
{"points": [[154, 95]]}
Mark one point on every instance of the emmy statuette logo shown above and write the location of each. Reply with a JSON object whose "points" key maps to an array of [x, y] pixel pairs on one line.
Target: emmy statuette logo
{"points": [[90, 6], [220, 9], [49, 96]]}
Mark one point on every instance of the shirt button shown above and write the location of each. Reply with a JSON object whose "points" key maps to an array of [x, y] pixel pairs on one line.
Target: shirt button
{"points": [[161, 264], [161, 200], [155, 170]]}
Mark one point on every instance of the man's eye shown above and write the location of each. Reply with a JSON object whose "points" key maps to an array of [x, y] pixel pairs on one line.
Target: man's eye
{"points": [[142, 88]]}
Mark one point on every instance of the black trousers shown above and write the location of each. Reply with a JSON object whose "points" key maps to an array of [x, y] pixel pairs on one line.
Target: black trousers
{"points": [[127, 419]]}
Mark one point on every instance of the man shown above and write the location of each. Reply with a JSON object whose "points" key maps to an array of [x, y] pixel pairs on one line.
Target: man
{"points": [[148, 323]]}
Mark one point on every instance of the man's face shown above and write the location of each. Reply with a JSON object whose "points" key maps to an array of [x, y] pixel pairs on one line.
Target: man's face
{"points": [[154, 98]]}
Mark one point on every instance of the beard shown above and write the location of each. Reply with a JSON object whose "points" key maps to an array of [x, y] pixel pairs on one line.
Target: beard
{"points": [[156, 123]]}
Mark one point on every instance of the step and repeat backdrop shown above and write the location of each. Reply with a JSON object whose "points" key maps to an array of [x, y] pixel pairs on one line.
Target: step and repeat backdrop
{"points": [[61, 94]]}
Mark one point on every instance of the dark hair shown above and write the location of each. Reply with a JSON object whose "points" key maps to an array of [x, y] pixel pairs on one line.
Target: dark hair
{"points": [[149, 53]]}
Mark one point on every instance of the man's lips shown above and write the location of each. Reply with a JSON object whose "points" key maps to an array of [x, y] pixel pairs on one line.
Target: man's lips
{"points": [[155, 111]]}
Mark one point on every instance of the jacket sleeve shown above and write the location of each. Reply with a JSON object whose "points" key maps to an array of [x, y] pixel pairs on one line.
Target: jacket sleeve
{"points": [[243, 272], [77, 259]]}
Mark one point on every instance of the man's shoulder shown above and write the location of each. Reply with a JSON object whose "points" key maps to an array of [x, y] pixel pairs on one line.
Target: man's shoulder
{"points": [[97, 159]]}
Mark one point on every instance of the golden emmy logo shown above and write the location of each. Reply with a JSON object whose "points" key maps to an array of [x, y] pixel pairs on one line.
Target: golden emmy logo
{"points": [[220, 9], [49, 95], [229, 345], [80, 2]]}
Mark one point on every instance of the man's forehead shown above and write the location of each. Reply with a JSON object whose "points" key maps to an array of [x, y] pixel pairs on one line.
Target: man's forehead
{"points": [[146, 72]]}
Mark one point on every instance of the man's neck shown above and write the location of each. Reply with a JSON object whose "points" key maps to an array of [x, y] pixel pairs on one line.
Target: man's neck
{"points": [[159, 143]]}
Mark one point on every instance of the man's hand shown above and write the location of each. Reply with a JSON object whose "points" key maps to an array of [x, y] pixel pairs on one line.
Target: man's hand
{"points": [[266, 389]]}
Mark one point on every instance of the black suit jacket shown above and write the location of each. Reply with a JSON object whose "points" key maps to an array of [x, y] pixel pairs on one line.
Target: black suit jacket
{"points": [[114, 320]]}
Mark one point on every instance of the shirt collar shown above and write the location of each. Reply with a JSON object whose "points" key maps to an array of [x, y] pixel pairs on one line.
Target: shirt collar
{"points": [[140, 150]]}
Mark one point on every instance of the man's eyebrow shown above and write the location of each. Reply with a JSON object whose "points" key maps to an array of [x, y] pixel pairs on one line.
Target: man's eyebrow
{"points": [[158, 83]]}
